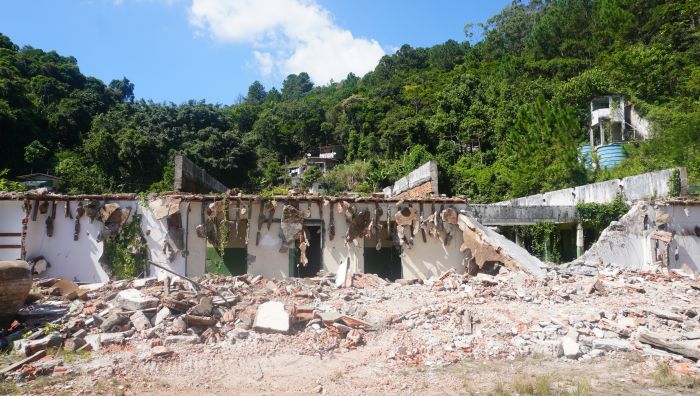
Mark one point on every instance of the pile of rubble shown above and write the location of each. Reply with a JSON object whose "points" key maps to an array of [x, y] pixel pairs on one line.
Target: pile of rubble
{"points": [[161, 314], [430, 322]]}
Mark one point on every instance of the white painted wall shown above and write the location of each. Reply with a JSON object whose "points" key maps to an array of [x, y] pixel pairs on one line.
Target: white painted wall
{"points": [[155, 232], [11, 215], [74, 260], [431, 258], [78, 260], [639, 124]]}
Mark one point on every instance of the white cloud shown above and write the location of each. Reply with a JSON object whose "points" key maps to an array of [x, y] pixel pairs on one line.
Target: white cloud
{"points": [[265, 62], [288, 36]]}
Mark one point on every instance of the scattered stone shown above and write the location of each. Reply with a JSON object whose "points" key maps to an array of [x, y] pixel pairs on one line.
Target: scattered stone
{"points": [[571, 348], [182, 339], [140, 321], [611, 345], [134, 300], [272, 316], [239, 334], [203, 308], [550, 348], [30, 347], [160, 352], [144, 282], [162, 315], [73, 344]]}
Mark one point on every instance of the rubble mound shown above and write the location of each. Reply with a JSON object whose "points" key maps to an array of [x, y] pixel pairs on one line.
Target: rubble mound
{"points": [[133, 324]]}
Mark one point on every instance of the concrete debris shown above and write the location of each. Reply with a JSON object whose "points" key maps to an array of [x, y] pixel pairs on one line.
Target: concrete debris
{"points": [[164, 207], [140, 321], [67, 289], [570, 348], [689, 349], [134, 300], [359, 224], [484, 245], [272, 316], [433, 322], [291, 223]]}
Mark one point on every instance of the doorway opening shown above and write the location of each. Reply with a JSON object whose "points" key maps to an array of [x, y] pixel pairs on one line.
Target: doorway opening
{"points": [[382, 257], [313, 255]]}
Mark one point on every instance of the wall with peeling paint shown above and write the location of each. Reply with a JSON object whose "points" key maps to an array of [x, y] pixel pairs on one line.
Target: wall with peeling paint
{"points": [[627, 243], [79, 260]]}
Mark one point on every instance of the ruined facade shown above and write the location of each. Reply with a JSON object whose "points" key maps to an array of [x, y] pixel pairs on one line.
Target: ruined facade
{"points": [[271, 236]]}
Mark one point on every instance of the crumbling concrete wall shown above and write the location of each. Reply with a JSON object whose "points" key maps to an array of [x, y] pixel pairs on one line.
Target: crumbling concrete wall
{"points": [[155, 231], [485, 245], [74, 260], [416, 182], [628, 242], [79, 260]]}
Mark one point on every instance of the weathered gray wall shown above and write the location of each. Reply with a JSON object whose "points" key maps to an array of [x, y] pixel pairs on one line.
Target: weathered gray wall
{"points": [[522, 215], [650, 185]]}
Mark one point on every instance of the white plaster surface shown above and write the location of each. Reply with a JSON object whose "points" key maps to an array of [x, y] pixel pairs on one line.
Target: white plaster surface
{"points": [[11, 215]]}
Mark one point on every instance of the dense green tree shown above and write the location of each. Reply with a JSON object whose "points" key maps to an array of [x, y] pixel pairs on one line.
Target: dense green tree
{"points": [[502, 116], [124, 89], [256, 93]]}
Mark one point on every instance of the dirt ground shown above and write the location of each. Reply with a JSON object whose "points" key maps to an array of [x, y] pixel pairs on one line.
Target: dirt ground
{"points": [[357, 372]]}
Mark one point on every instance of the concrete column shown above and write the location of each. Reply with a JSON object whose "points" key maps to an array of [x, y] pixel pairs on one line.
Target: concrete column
{"points": [[547, 247], [517, 236], [579, 240]]}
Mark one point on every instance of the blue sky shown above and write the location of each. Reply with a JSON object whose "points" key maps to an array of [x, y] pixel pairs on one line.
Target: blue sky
{"points": [[175, 50]]}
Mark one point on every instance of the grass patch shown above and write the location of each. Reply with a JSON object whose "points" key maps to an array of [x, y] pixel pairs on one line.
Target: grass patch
{"points": [[499, 390], [541, 385], [536, 386], [68, 356], [336, 376], [8, 387], [665, 377], [111, 386]]}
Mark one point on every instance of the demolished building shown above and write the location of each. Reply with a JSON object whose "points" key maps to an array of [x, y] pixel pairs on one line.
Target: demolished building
{"points": [[276, 237]]}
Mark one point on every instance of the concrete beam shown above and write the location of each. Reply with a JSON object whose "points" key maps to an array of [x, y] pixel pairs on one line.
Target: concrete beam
{"points": [[493, 215], [191, 178]]}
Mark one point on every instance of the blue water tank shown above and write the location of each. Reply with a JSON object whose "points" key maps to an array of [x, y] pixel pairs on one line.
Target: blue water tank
{"points": [[610, 155], [585, 156]]}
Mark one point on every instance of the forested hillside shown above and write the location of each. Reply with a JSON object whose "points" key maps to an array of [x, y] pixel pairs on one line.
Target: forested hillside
{"points": [[503, 116]]}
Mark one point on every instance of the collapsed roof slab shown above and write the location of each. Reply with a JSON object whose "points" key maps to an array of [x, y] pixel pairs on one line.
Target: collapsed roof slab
{"points": [[486, 245]]}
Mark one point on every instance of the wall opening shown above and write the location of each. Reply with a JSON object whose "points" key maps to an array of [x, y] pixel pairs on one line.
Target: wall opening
{"points": [[313, 254], [381, 256], [235, 260]]}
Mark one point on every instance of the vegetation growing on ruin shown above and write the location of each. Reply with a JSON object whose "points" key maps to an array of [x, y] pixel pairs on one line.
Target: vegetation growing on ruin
{"points": [[502, 116], [542, 240], [125, 255], [597, 216]]}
